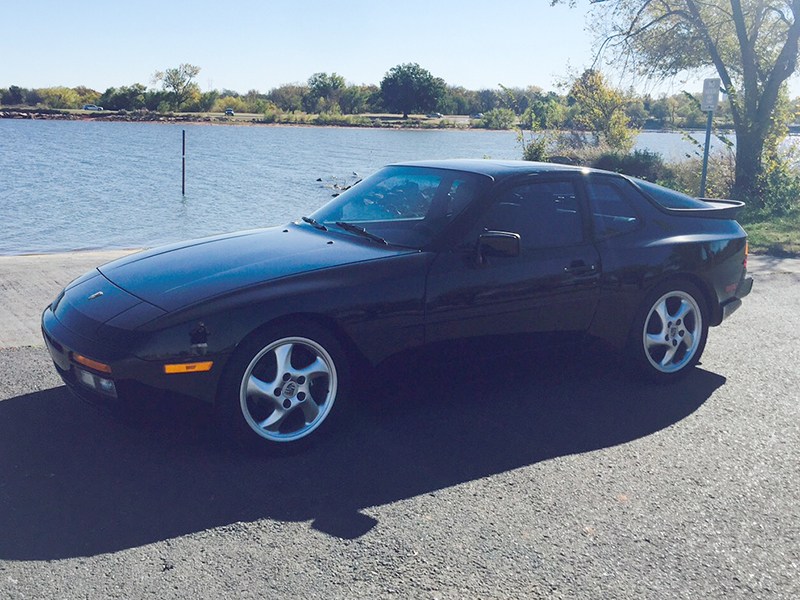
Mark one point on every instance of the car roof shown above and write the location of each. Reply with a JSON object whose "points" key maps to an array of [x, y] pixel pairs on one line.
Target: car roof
{"points": [[495, 168]]}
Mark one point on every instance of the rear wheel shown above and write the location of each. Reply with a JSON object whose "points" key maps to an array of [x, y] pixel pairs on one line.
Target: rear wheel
{"points": [[280, 390], [669, 334]]}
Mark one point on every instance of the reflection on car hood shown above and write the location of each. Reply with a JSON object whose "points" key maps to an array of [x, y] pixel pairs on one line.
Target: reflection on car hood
{"points": [[171, 277]]}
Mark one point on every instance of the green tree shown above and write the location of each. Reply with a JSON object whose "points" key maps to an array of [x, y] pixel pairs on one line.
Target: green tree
{"points": [[237, 103], [356, 99], [407, 88], [324, 91], [15, 95], [288, 97], [60, 97], [179, 83], [664, 111], [602, 110], [752, 44], [127, 97], [207, 100], [546, 111]]}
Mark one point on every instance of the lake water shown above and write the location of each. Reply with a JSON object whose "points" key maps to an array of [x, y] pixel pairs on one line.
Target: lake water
{"points": [[82, 185]]}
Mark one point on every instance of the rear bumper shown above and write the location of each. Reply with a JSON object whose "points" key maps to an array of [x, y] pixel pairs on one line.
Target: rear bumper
{"points": [[732, 304]]}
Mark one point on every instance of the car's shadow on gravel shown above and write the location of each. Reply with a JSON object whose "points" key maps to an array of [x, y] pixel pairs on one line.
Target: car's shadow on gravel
{"points": [[74, 482]]}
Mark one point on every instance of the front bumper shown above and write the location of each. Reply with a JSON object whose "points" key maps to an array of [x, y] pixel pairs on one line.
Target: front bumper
{"points": [[131, 380]]}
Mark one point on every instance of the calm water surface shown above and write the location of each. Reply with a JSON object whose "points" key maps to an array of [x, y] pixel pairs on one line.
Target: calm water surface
{"points": [[82, 185]]}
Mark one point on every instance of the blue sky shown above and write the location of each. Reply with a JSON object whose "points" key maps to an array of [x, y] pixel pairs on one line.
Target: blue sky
{"points": [[261, 44]]}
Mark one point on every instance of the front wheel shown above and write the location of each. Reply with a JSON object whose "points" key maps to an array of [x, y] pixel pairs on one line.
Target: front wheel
{"points": [[280, 389], [669, 334]]}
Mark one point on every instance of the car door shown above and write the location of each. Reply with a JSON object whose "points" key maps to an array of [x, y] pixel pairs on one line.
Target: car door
{"points": [[551, 284]]}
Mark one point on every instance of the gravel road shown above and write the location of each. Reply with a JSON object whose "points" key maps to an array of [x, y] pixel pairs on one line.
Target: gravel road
{"points": [[513, 477]]}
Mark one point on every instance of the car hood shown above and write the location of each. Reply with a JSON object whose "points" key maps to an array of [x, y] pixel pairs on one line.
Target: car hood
{"points": [[171, 277]]}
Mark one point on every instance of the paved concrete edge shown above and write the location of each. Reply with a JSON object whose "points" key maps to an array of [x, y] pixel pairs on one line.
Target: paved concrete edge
{"points": [[30, 282]]}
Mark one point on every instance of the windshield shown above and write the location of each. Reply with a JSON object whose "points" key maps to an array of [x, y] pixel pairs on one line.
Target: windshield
{"points": [[405, 206]]}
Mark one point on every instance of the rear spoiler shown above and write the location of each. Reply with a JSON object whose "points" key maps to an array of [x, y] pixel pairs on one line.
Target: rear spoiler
{"points": [[720, 209]]}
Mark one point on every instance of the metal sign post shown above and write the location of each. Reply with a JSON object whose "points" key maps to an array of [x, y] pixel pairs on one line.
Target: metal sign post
{"points": [[709, 105]]}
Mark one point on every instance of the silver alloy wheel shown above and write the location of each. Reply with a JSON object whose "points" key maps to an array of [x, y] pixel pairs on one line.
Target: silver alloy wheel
{"points": [[288, 389], [672, 331]]}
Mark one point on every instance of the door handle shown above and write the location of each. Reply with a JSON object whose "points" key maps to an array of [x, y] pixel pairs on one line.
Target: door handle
{"points": [[579, 267]]}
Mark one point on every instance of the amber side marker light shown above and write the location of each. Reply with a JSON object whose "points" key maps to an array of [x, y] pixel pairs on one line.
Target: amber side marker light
{"points": [[92, 364], [746, 252], [188, 367]]}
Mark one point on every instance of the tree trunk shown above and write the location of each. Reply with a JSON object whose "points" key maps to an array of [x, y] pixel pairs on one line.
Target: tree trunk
{"points": [[749, 147]]}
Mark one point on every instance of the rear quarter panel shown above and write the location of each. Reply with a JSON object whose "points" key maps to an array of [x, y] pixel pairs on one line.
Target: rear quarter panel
{"points": [[709, 253]]}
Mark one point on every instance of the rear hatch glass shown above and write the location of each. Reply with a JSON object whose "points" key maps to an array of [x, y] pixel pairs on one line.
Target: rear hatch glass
{"points": [[670, 198]]}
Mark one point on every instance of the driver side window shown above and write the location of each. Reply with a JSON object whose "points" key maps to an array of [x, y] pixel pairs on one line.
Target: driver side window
{"points": [[544, 214]]}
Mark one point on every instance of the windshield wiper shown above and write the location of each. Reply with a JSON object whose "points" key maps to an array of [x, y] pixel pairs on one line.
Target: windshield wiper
{"points": [[315, 223], [361, 231]]}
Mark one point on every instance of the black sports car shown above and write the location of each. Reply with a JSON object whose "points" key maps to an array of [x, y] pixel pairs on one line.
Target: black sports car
{"points": [[271, 324]]}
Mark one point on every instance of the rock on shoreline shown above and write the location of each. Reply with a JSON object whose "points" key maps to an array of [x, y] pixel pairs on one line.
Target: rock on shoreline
{"points": [[146, 116]]}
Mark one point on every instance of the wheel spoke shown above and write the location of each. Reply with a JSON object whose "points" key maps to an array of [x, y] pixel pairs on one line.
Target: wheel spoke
{"points": [[684, 309], [310, 410], [314, 370], [688, 339], [261, 389], [661, 311], [653, 340], [283, 356], [273, 422], [668, 355]]}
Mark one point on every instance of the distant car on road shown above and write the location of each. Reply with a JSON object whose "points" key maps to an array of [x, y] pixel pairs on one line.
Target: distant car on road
{"points": [[476, 116], [272, 325], [229, 112], [92, 107], [434, 115]]}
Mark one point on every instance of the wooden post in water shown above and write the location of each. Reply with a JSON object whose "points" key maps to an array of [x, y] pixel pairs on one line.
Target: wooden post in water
{"points": [[183, 180]]}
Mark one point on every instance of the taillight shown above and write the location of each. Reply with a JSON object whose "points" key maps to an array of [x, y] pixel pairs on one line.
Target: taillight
{"points": [[746, 252]]}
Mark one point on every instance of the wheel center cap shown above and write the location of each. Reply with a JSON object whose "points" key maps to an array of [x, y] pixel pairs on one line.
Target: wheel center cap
{"points": [[673, 332], [290, 389]]}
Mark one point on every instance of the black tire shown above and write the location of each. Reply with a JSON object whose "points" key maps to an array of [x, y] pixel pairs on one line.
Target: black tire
{"points": [[281, 388], [669, 334]]}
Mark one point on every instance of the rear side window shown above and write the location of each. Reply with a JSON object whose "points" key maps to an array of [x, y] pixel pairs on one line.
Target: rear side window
{"points": [[670, 198], [544, 214], [612, 208]]}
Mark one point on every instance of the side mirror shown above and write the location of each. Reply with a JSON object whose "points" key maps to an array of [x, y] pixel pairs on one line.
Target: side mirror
{"points": [[497, 243]]}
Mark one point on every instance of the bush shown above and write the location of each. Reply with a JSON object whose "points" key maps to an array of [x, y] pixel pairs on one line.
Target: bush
{"points": [[536, 149], [499, 118], [642, 164], [778, 194], [337, 118]]}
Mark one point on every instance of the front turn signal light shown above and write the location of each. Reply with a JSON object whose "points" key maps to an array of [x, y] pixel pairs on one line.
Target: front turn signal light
{"points": [[195, 367], [92, 364]]}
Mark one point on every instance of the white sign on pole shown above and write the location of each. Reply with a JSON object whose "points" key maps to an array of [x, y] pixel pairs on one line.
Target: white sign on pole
{"points": [[710, 95]]}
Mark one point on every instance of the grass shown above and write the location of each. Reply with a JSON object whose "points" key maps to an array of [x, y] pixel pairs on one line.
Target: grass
{"points": [[778, 236]]}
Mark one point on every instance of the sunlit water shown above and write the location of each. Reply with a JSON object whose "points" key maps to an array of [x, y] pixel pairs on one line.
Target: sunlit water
{"points": [[83, 185]]}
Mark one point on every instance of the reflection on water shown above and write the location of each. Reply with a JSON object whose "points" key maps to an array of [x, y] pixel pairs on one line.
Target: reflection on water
{"points": [[85, 185]]}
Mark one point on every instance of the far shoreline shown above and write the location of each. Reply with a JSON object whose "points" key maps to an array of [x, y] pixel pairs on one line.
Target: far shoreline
{"points": [[381, 122]]}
